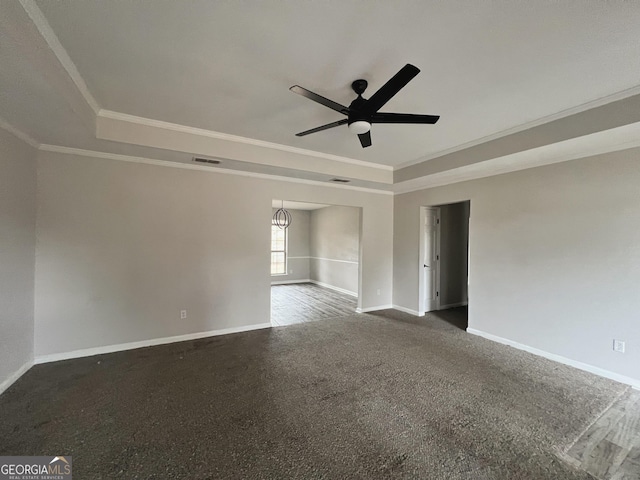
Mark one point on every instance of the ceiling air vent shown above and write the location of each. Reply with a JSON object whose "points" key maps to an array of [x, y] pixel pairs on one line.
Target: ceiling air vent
{"points": [[206, 160], [340, 180]]}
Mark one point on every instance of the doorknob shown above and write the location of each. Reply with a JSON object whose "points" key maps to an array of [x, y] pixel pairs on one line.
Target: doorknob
{"points": [[427, 266]]}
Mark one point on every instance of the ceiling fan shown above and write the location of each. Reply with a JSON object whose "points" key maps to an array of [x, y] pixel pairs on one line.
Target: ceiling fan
{"points": [[363, 112]]}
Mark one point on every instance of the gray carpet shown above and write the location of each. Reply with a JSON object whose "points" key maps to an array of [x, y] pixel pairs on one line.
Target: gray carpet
{"points": [[363, 396]]}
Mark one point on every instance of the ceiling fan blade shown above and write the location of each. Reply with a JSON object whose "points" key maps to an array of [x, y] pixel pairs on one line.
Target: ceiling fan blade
{"points": [[319, 99], [323, 127], [403, 118], [365, 139], [389, 89]]}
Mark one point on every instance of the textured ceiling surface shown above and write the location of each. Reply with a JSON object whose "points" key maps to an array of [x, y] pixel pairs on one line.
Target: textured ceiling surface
{"points": [[226, 66]]}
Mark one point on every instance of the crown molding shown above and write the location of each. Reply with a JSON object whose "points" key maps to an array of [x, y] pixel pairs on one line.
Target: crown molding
{"points": [[41, 23], [186, 166], [149, 122], [18, 133], [615, 139], [525, 126], [620, 138]]}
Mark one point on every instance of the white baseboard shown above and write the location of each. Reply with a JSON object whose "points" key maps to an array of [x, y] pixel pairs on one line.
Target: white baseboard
{"points": [[408, 310], [290, 282], [560, 359], [337, 289], [373, 309], [88, 352], [15, 376], [453, 305]]}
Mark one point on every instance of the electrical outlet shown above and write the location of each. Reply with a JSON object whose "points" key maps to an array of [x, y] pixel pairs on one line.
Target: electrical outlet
{"points": [[290, 271], [183, 314], [378, 291], [618, 346]]}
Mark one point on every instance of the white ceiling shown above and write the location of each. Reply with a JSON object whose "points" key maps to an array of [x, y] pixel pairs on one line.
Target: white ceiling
{"points": [[517, 84], [226, 66]]}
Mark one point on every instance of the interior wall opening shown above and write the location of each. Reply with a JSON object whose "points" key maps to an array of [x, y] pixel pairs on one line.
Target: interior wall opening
{"points": [[315, 262], [445, 258]]}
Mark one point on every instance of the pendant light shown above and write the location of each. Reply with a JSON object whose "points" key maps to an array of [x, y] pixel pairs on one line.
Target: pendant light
{"points": [[282, 218]]}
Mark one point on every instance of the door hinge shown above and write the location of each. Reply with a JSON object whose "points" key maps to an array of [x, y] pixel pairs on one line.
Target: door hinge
{"points": [[437, 294], [437, 221], [437, 257]]}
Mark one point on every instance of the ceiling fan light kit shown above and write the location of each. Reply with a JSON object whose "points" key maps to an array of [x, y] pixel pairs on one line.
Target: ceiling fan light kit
{"points": [[359, 127], [362, 112]]}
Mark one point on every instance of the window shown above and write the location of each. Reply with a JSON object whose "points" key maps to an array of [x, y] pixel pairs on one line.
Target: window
{"points": [[278, 250]]}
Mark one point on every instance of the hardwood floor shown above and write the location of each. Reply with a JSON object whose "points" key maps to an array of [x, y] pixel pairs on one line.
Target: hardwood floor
{"points": [[610, 448], [307, 302]]}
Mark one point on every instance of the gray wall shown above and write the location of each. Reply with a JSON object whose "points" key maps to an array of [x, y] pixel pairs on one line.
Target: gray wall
{"points": [[17, 254], [123, 247], [454, 234], [298, 248], [555, 256], [334, 247]]}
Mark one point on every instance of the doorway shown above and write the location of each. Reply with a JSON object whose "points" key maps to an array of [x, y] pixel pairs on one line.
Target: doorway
{"points": [[444, 260], [315, 263]]}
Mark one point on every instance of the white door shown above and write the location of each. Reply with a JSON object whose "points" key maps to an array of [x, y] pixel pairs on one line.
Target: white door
{"points": [[431, 260]]}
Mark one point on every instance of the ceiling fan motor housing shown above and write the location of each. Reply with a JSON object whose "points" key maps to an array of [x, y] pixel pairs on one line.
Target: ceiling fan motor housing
{"points": [[356, 108]]}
